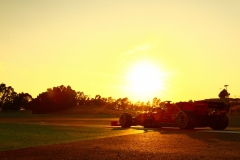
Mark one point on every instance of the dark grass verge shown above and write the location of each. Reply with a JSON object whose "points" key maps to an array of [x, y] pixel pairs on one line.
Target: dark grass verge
{"points": [[15, 136]]}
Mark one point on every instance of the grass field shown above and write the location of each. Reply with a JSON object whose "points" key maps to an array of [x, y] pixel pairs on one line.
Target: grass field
{"points": [[23, 129], [14, 136]]}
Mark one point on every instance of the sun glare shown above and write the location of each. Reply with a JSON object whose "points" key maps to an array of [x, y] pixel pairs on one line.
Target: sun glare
{"points": [[145, 80]]}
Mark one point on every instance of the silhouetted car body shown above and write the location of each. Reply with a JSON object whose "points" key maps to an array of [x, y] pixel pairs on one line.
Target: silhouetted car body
{"points": [[185, 115]]}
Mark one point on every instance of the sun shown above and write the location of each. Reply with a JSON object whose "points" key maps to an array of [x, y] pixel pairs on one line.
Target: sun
{"points": [[145, 80]]}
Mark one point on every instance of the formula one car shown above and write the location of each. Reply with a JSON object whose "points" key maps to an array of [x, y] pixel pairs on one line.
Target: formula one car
{"points": [[185, 115]]}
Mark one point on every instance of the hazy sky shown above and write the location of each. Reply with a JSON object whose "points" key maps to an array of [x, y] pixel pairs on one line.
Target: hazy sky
{"points": [[111, 47]]}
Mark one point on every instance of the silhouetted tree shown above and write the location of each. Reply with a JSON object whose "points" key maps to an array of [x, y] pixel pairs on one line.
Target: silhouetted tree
{"points": [[223, 94], [137, 104], [118, 104], [97, 100], [81, 98], [21, 100], [10, 100], [148, 104], [155, 102], [56, 99], [7, 95], [124, 103], [104, 100]]}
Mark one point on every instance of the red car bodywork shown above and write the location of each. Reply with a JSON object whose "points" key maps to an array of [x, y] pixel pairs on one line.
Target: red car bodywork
{"points": [[185, 115]]}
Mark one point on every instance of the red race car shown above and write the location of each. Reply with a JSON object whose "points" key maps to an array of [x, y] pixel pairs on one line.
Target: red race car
{"points": [[185, 115]]}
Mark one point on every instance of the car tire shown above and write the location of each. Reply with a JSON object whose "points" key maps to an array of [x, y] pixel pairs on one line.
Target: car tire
{"points": [[125, 120], [219, 123], [183, 120]]}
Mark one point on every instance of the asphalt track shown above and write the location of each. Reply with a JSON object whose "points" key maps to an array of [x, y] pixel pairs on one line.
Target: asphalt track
{"points": [[134, 143]]}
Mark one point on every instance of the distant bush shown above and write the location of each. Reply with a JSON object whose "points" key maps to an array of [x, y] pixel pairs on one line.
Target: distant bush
{"points": [[56, 99]]}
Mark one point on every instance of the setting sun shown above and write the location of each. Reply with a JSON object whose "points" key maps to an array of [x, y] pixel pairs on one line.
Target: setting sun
{"points": [[172, 50], [145, 80]]}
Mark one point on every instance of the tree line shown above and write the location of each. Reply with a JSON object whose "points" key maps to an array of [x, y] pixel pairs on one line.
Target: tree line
{"points": [[63, 97], [10, 100]]}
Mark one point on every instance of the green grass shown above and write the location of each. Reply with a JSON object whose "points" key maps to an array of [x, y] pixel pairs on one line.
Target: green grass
{"points": [[21, 129], [14, 136]]}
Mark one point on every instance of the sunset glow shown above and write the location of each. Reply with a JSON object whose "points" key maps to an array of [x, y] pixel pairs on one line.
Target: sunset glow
{"points": [[145, 80], [121, 48]]}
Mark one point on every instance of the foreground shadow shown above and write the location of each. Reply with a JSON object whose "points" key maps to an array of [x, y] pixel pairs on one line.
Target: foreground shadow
{"points": [[205, 134]]}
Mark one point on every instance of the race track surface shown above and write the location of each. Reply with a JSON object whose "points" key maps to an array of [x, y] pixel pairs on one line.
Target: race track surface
{"points": [[165, 143], [110, 142]]}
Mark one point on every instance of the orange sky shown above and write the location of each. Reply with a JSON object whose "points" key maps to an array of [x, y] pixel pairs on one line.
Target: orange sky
{"points": [[96, 46]]}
